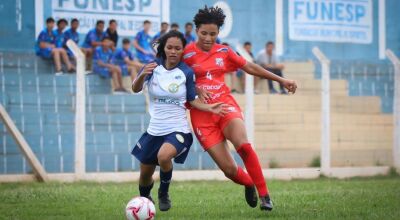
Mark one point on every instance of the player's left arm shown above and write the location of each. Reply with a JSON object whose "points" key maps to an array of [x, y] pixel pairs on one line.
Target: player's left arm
{"points": [[257, 70]]}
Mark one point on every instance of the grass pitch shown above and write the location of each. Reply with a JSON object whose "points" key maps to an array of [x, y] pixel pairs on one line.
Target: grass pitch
{"points": [[359, 198]]}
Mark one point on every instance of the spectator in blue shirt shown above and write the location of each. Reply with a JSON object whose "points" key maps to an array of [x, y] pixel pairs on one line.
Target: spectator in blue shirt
{"points": [[163, 30], [72, 34], [123, 57], [142, 44], [174, 27], [46, 48], [188, 33], [59, 32], [103, 65], [93, 39]]}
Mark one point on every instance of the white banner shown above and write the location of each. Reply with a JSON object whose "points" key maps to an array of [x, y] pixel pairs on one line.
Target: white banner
{"points": [[129, 14], [331, 20]]}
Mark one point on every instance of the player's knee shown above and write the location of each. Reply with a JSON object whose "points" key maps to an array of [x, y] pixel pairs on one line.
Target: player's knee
{"points": [[163, 159]]}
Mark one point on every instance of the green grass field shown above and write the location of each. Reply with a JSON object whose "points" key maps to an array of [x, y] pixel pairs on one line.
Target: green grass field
{"points": [[359, 198]]}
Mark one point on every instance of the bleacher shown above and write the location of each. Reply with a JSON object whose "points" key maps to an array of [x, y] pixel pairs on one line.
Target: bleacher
{"points": [[365, 78], [287, 128], [42, 106]]}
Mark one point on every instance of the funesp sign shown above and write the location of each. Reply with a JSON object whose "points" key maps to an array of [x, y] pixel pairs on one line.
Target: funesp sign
{"points": [[331, 20]]}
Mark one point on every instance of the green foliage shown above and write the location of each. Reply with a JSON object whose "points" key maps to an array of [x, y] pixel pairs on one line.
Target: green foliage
{"points": [[315, 162]]}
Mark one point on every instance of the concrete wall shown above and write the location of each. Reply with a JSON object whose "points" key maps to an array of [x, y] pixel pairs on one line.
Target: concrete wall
{"points": [[252, 21]]}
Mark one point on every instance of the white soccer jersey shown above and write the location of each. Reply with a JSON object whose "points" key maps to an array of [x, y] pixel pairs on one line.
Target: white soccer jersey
{"points": [[168, 92]]}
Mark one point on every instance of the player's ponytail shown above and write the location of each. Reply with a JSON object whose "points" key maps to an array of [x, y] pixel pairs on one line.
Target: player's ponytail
{"points": [[163, 41]]}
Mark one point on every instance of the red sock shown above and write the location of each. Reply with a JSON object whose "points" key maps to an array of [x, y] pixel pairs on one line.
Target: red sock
{"points": [[253, 167], [242, 178]]}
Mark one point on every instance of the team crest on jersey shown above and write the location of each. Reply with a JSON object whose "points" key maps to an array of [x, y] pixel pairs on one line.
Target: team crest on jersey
{"points": [[219, 61], [180, 138], [173, 88], [188, 55]]}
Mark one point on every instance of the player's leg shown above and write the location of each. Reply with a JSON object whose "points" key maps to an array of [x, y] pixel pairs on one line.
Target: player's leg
{"points": [[165, 155], [222, 157], [146, 181], [235, 132], [57, 60]]}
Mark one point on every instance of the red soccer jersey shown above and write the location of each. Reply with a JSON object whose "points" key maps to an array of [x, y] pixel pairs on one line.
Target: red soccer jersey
{"points": [[210, 67]]}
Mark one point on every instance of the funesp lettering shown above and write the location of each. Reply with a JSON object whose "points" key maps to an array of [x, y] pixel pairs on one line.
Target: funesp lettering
{"points": [[106, 5], [329, 11]]}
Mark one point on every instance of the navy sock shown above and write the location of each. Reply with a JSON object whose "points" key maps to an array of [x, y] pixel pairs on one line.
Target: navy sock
{"points": [[145, 190], [165, 180]]}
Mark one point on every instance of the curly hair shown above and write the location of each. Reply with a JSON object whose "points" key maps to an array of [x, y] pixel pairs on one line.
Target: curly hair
{"points": [[212, 15], [162, 41]]}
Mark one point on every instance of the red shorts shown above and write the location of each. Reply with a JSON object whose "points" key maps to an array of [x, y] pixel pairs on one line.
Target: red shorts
{"points": [[208, 127]]}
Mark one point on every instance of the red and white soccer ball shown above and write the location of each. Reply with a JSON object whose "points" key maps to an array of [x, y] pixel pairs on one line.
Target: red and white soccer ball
{"points": [[140, 208]]}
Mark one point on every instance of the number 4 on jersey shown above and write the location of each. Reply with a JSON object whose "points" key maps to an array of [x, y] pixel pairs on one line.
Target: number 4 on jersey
{"points": [[208, 75]]}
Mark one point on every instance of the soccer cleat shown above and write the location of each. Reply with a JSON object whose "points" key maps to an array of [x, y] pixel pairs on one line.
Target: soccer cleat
{"points": [[266, 203], [251, 196], [150, 198], [59, 73], [163, 201]]}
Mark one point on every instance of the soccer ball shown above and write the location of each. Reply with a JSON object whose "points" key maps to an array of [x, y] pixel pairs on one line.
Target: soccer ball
{"points": [[140, 208]]}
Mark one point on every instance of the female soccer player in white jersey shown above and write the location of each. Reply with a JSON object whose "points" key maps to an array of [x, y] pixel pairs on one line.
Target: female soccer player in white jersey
{"points": [[210, 62], [170, 85]]}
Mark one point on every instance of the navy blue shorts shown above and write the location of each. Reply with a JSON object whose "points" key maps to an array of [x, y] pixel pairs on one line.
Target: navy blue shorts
{"points": [[146, 149]]}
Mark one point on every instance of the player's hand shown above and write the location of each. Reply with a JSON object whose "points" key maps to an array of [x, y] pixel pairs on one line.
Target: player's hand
{"points": [[219, 108], [203, 94], [148, 68], [290, 85]]}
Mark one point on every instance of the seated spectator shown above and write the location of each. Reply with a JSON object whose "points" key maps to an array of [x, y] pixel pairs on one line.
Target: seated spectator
{"points": [[102, 65], [163, 30], [230, 77], [174, 27], [72, 34], [112, 33], [59, 32], [123, 57], [240, 74], [267, 59], [93, 39], [142, 44], [46, 48], [188, 33]]}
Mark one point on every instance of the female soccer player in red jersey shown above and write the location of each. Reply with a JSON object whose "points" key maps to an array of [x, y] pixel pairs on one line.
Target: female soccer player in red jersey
{"points": [[210, 61]]}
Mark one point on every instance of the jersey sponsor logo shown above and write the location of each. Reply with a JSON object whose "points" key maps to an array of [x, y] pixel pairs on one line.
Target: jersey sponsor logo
{"points": [[224, 49], [167, 101], [173, 88], [212, 87], [219, 61], [188, 55], [178, 77], [180, 138]]}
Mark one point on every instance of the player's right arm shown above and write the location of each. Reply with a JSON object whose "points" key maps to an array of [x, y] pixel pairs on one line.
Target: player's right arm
{"points": [[137, 84]]}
